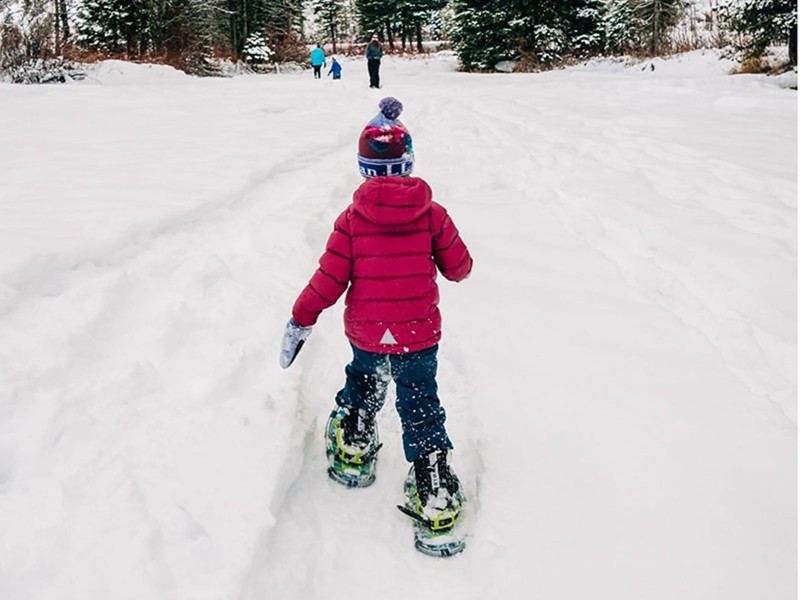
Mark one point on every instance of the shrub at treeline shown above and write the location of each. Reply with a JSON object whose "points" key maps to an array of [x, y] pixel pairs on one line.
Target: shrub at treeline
{"points": [[538, 33]]}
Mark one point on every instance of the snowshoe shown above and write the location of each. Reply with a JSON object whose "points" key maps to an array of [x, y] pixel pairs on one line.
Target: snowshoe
{"points": [[351, 440], [434, 500]]}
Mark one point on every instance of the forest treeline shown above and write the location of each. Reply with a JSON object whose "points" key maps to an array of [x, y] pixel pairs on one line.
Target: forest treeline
{"points": [[534, 34]]}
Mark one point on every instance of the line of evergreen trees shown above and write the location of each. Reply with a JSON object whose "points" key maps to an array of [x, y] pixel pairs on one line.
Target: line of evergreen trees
{"points": [[179, 28], [541, 33], [547, 32]]}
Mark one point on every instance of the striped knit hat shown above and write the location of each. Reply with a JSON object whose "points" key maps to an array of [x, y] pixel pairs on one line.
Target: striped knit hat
{"points": [[384, 147]]}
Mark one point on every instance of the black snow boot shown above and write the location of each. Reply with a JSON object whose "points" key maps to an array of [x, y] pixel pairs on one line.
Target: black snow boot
{"points": [[437, 496]]}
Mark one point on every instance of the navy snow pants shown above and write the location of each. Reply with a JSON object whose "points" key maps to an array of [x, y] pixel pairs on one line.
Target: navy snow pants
{"points": [[414, 374], [374, 69]]}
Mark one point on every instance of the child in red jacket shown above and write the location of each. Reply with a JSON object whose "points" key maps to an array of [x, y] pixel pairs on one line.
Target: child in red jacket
{"points": [[385, 250]]}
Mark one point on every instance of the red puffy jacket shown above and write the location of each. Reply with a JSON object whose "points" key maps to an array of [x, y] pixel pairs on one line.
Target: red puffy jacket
{"points": [[387, 246]]}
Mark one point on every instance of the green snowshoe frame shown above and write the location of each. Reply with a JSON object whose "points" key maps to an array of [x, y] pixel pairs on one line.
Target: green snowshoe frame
{"points": [[434, 535], [349, 465], [443, 520]]}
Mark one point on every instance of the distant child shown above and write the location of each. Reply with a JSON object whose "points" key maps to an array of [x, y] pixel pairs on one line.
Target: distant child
{"points": [[385, 250], [317, 61], [336, 68]]}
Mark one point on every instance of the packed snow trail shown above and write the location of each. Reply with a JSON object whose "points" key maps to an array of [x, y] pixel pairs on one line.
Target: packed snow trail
{"points": [[618, 371], [310, 548], [136, 391], [580, 464]]}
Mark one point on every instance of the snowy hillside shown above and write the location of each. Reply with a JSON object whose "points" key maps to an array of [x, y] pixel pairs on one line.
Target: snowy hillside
{"points": [[619, 371]]}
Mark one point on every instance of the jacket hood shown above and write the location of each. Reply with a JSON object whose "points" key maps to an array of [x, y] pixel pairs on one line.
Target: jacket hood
{"points": [[392, 200]]}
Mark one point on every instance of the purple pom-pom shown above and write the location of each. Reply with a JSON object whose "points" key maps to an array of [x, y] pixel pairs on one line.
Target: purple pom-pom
{"points": [[391, 107]]}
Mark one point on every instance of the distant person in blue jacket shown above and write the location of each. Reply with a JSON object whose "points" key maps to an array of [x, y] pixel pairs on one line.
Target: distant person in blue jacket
{"points": [[317, 61], [374, 53], [336, 68]]}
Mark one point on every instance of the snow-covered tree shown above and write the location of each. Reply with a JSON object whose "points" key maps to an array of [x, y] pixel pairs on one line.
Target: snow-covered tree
{"points": [[376, 16], [114, 26], [414, 16], [586, 27], [170, 28], [12, 42], [403, 20], [28, 30], [333, 18], [622, 27], [32, 35], [761, 23], [257, 50], [657, 19], [542, 31], [480, 34], [282, 22]]}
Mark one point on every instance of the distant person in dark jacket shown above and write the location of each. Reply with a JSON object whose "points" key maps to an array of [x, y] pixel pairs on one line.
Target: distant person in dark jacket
{"points": [[336, 68], [374, 53]]}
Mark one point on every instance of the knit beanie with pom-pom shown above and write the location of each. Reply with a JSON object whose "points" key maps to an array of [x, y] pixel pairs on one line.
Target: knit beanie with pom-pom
{"points": [[384, 146]]}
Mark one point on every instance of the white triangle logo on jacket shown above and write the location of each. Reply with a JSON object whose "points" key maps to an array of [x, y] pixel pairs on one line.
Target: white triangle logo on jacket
{"points": [[388, 338]]}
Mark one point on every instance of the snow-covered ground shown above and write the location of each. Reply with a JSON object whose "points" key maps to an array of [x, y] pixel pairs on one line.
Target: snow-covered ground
{"points": [[620, 371]]}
